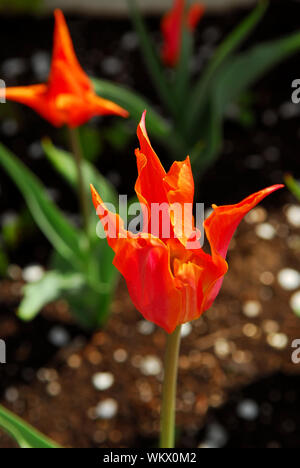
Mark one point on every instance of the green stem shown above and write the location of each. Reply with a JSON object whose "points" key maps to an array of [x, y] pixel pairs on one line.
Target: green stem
{"points": [[77, 151], [167, 439]]}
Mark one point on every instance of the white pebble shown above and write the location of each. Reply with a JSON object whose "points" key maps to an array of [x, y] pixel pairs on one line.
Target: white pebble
{"points": [[33, 273], [103, 380], [145, 327], [277, 340], [295, 303], [293, 215], [41, 65], [107, 409], [248, 410], [58, 336], [289, 279], [151, 365], [265, 231], [186, 329], [11, 394], [257, 215], [222, 347], [252, 309]]}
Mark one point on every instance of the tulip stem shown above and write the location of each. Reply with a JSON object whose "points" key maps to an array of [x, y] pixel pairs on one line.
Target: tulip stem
{"points": [[168, 411], [77, 152]]}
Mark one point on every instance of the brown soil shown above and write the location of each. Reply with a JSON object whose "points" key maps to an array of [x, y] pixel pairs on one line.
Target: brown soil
{"points": [[54, 387]]}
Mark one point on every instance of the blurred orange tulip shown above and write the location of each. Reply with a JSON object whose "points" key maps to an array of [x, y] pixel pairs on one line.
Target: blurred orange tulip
{"points": [[170, 283], [68, 97], [172, 25]]}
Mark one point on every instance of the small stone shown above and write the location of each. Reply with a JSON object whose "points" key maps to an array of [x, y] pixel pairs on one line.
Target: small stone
{"points": [[295, 303], [254, 162], [186, 329], [53, 388], [272, 154], [278, 340], [107, 409], [35, 150], [269, 118], [265, 231], [217, 436], [111, 66], [289, 279], [14, 272], [40, 62], [13, 67], [9, 127], [250, 330], [293, 215], [151, 365], [103, 380], [120, 355], [130, 41], [33, 273], [74, 361], [58, 336], [257, 215], [11, 394], [248, 410], [252, 309], [267, 278], [222, 348], [145, 327], [270, 326]]}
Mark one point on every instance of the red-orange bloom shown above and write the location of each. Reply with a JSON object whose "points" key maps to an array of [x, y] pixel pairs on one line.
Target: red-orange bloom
{"points": [[68, 97], [169, 282], [172, 25]]}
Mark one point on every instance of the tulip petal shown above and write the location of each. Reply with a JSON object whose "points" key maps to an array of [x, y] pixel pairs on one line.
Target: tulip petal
{"points": [[63, 51], [222, 223], [221, 226], [195, 14]]}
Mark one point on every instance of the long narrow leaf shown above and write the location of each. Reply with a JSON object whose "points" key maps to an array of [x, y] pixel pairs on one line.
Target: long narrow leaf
{"points": [[64, 237], [236, 76], [135, 105], [151, 58], [224, 51], [24, 434], [293, 186]]}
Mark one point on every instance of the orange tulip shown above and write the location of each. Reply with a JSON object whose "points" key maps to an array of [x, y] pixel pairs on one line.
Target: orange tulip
{"points": [[169, 283], [68, 97], [172, 25]]}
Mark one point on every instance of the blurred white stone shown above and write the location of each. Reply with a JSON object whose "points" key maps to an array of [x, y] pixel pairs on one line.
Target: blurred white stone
{"points": [[186, 329], [257, 215], [9, 127], [289, 279], [41, 65], [145, 327], [103, 380], [151, 365], [295, 302], [58, 336], [278, 340], [252, 309], [33, 273], [222, 348], [248, 410], [11, 394], [13, 67], [265, 231], [293, 215], [106, 409]]}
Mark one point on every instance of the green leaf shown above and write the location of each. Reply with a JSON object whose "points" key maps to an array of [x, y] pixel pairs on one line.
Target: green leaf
{"points": [[135, 105], [236, 76], [151, 58], [228, 46], [64, 237], [64, 163], [48, 289], [25, 435], [293, 186]]}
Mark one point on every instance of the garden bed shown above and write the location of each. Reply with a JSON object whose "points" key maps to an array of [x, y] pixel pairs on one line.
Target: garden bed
{"points": [[235, 344]]}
